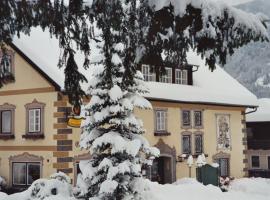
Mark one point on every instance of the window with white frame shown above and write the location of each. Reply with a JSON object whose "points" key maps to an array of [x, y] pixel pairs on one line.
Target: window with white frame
{"points": [[181, 76], [167, 77], [186, 144], [161, 120], [25, 173], [198, 143], [147, 74], [34, 120]]}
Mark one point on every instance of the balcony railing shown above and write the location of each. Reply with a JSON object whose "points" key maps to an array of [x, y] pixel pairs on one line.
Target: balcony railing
{"points": [[259, 144]]}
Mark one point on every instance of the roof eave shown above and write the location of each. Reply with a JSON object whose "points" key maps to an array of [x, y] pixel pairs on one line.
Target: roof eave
{"points": [[200, 102]]}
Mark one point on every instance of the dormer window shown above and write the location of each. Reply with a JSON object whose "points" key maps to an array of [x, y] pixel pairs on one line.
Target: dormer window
{"points": [[167, 77], [181, 76], [148, 75]]}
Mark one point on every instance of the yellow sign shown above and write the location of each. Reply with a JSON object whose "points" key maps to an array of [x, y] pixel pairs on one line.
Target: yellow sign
{"points": [[75, 122]]}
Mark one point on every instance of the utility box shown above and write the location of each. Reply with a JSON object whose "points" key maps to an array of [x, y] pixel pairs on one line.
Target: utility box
{"points": [[207, 174]]}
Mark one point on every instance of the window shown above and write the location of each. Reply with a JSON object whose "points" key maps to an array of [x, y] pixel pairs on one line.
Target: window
{"points": [[255, 161], [197, 118], [167, 77], [223, 166], [6, 63], [198, 144], [34, 120], [181, 76], [186, 144], [147, 74], [161, 120], [7, 121], [24, 173], [186, 120]]}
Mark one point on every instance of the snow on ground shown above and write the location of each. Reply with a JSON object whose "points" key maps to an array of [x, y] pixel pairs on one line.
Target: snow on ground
{"points": [[187, 188], [241, 189]]}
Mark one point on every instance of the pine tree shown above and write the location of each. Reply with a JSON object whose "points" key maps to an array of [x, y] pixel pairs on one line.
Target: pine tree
{"points": [[112, 132], [130, 33]]}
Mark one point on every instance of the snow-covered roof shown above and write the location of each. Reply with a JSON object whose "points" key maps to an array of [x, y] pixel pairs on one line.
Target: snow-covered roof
{"points": [[263, 112], [216, 87]]}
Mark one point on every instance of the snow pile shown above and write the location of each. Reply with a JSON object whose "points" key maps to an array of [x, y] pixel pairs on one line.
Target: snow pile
{"points": [[263, 112], [246, 189], [251, 186], [186, 188], [44, 189]]}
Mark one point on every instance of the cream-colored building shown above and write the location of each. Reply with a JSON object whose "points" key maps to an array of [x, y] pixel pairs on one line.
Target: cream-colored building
{"points": [[194, 112]]}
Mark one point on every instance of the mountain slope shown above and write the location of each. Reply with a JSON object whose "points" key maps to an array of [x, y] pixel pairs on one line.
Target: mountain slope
{"points": [[250, 65]]}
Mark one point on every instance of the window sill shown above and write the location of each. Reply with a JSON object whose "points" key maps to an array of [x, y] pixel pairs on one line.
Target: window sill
{"points": [[198, 127], [186, 127], [8, 78], [7, 136], [165, 133], [33, 136]]}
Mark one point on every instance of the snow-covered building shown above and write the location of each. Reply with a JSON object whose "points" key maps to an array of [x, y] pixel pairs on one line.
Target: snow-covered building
{"points": [[195, 111], [258, 128]]}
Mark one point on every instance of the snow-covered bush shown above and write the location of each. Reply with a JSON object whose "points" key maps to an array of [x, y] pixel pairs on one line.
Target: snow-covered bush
{"points": [[44, 189], [224, 183], [61, 177], [3, 183]]}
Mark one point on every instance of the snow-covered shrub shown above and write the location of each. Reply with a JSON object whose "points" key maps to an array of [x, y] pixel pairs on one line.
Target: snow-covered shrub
{"points": [[44, 189], [61, 177], [3, 183], [224, 183]]}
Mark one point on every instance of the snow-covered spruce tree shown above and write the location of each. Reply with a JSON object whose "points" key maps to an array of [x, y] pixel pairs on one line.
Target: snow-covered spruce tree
{"points": [[153, 32], [112, 132]]}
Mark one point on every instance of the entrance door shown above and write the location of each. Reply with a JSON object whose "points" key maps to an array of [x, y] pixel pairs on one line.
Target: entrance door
{"points": [[161, 170]]}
